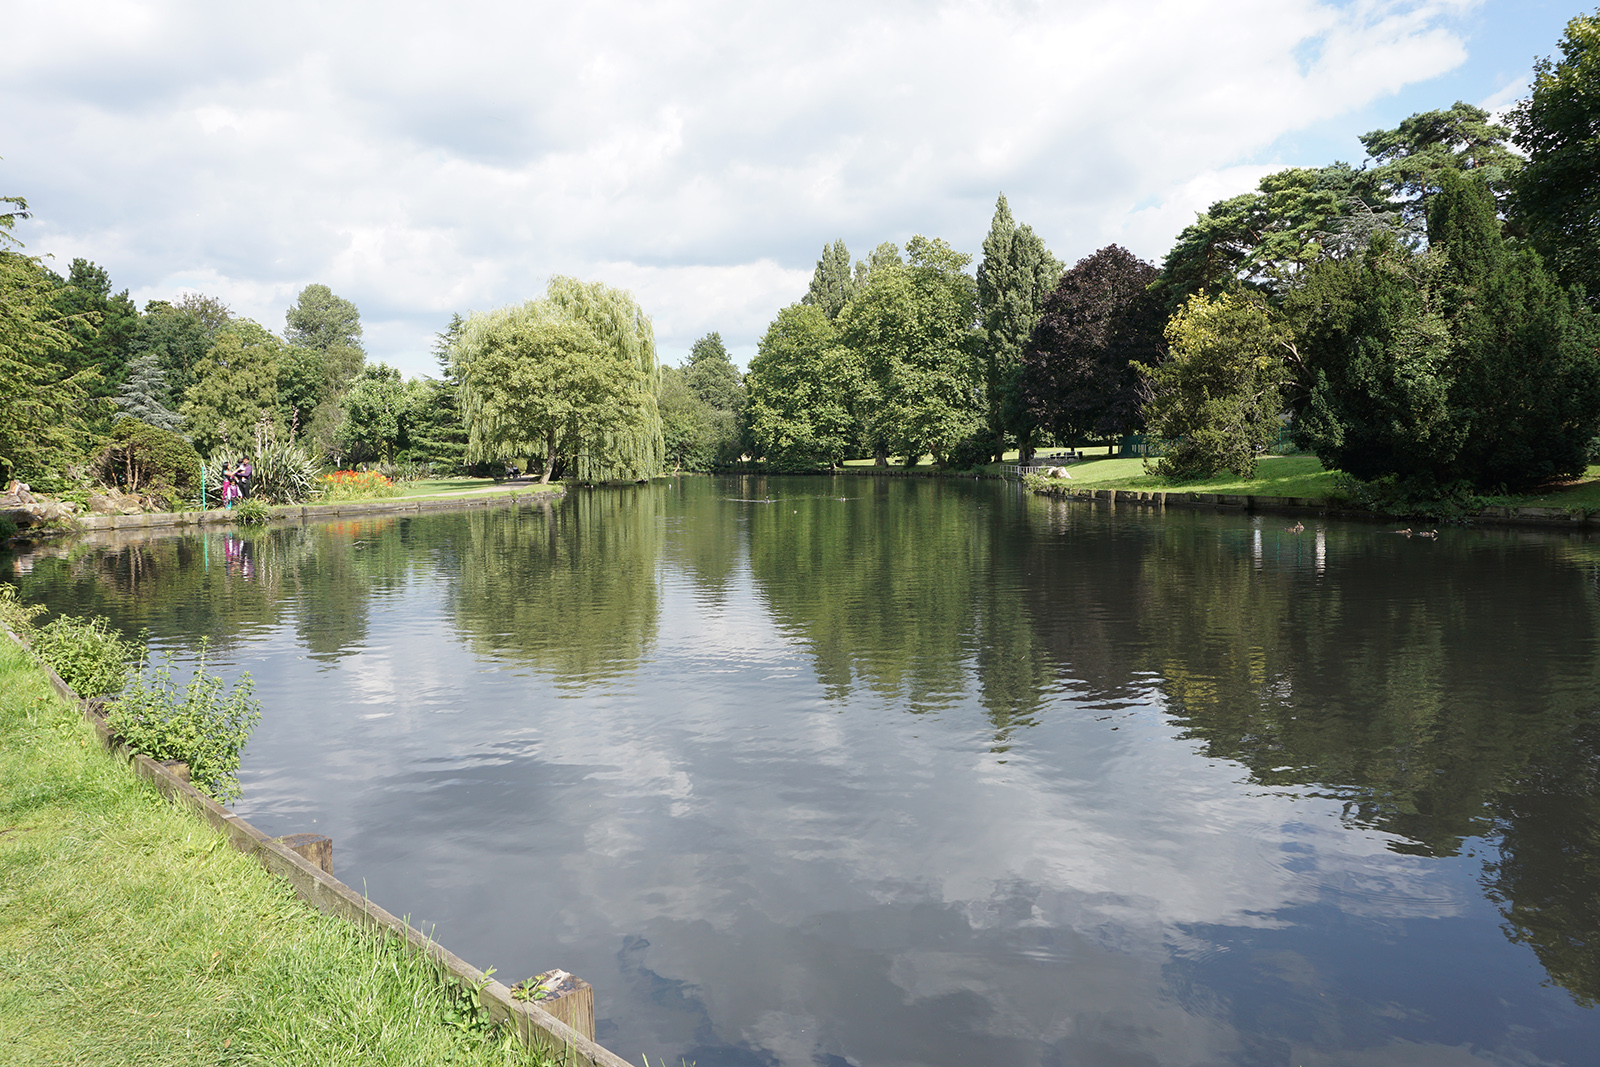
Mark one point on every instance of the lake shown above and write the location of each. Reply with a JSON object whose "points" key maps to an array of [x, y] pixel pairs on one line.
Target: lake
{"points": [[873, 771]]}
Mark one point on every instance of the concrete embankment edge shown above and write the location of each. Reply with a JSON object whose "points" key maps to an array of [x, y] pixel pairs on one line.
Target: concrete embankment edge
{"points": [[303, 513], [1561, 518], [536, 1027]]}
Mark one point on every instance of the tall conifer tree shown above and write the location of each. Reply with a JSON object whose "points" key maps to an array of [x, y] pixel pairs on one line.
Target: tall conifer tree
{"points": [[831, 283], [1016, 275]]}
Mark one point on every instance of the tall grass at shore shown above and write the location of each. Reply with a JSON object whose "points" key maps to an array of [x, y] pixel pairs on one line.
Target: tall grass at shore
{"points": [[130, 933]]}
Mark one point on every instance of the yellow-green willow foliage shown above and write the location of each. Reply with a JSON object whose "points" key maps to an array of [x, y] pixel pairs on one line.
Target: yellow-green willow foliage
{"points": [[570, 378]]}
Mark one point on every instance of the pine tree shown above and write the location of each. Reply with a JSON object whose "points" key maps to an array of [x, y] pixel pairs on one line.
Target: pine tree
{"points": [[144, 396]]}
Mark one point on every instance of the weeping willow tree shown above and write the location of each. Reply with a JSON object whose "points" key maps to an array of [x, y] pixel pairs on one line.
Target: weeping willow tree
{"points": [[570, 379]]}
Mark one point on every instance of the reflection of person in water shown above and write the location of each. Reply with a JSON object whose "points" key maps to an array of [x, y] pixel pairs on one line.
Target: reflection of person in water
{"points": [[236, 552]]}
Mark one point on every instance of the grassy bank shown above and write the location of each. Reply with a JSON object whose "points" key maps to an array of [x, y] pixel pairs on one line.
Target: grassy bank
{"points": [[1299, 476], [130, 934], [1292, 476], [430, 488]]}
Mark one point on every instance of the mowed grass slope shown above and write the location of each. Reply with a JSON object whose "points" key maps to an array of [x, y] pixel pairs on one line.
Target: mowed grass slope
{"points": [[132, 934]]}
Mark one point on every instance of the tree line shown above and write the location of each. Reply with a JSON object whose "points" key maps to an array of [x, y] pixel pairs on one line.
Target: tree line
{"points": [[81, 364], [1427, 318]]}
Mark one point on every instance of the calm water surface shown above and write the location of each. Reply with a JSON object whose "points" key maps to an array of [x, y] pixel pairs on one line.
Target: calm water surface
{"points": [[890, 772]]}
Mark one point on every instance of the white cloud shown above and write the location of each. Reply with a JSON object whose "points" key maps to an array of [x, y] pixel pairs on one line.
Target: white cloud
{"points": [[424, 159]]}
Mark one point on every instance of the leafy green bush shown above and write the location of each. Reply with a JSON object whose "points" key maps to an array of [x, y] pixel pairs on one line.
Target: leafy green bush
{"points": [[200, 724], [1418, 497], [8, 529], [88, 654], [970, 454], [140, 458], [14, 614]]}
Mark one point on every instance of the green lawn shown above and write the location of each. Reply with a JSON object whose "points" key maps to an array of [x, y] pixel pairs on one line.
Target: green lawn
{"points": [[1292, 476], [1299, 476], [1583, 493], [426, 488], [130, 933]]}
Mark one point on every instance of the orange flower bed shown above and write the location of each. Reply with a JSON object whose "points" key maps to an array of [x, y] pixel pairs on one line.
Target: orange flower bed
{"points": [[356, 485]]}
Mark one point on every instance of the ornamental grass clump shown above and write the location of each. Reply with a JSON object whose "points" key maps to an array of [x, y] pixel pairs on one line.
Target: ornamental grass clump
{"points": [[201, 724], [281, 473], [357, 485]]}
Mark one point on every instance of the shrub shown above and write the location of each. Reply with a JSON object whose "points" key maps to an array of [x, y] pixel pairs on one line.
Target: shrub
{"points": [[140, 458], [8, 529], [14, 614], [88, 654], [357, 485], [199, 724]]}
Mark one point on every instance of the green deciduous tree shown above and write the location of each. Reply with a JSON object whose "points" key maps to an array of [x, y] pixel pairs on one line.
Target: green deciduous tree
{"points": [[570, 380], [1557, 194], [1016, 275], [802, 390], [1217, 397], [711, 375], [377, 414], [1080, 375], [319, 319], [913, 326], [178, 336], [687, 428], [330, 325], [235, 388]]}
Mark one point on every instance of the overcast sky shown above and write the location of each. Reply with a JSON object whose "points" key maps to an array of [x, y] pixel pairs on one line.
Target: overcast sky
{"points": [[422, 159]]}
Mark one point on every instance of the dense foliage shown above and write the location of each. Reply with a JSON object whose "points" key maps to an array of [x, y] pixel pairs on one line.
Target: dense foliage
{"points": [[1080, 376], [569, 380], [202, 723], [1216, 397], [1428, 310], [140, 458], [1558, 192], [805, 405], [1015, 278], [1467, 364]]}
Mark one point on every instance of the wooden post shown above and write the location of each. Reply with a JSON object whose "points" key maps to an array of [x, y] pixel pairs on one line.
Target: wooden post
{"points": [[177, 767], [313, 848], [566, 996]]}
